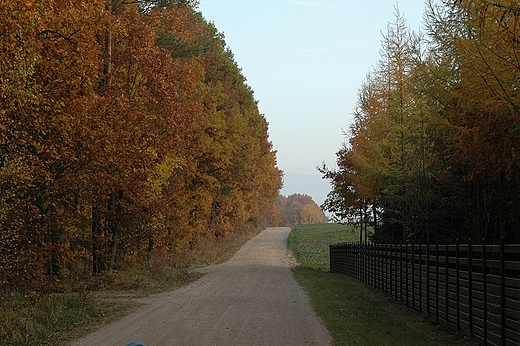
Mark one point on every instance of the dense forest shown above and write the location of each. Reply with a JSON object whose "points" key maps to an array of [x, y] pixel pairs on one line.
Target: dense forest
{"points": [[432, 153], [127, 132]]}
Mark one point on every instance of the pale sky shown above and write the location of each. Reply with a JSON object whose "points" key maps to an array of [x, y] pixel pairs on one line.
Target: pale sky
{"points": [[305, 61]]}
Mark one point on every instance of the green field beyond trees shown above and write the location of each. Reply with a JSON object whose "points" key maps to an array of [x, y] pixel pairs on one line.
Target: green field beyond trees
{"points": [[353, 313]]}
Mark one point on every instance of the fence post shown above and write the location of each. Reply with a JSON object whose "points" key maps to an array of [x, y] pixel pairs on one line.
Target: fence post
{"points": [[363, 266], [401, 271], [372, 271], [356, 259], [447, 284], [428, 278], [348, 259], [353, 259], [384, 269], [420, 277], [330, 259], [437, 281], [358, 252], [470, 287], [391, 278], [373, 257], [458, 281], [360, 262], [380, 265], [367, 260], [393, 271], [407, 283], [353, 262], [385, 257], [413, 274], [484, 279], [502, 292], [370, 268]]}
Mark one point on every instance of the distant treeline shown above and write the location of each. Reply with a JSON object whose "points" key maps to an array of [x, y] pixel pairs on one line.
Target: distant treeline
{"points": [[299, 209], [127, 132], [433, 152]]}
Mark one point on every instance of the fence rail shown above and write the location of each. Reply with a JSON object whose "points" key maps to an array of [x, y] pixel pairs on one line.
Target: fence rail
{"points": [[471, 288]]}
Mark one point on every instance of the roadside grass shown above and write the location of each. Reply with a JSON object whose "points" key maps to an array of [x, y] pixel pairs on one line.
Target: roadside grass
{"points": [[353, 313], [56, 313], [310, 243], [53, 319]]}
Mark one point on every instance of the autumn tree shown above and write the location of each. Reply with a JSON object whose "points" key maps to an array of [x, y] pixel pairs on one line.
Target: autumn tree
{"points": [[433, 142], [351, 200], [49, 74], [479, 40], [127, 132], [387, 161]]}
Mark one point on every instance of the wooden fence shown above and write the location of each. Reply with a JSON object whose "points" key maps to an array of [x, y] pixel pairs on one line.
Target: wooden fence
{"points": [[471, 288]]}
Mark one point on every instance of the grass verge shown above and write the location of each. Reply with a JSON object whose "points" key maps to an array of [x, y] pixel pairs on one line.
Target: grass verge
{"points": [[353, 313], [53, 319]]}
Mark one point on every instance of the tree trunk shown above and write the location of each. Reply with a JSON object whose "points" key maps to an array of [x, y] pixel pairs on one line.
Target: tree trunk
{"points": [[52, 224], [114, 210], [98, 265]]}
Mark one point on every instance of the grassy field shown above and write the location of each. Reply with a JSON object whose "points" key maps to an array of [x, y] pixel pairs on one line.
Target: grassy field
{"points": [[310, 243], [353, 313]]}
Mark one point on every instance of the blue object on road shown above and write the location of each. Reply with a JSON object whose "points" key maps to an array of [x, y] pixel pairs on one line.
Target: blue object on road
{"points": [[135, 344]]}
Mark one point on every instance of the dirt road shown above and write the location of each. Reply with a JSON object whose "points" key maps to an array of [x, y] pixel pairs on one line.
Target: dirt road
{"points": [[250, 300]]}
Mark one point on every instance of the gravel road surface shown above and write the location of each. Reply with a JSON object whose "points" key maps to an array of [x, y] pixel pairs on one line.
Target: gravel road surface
{"points": [[250, 300]]}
